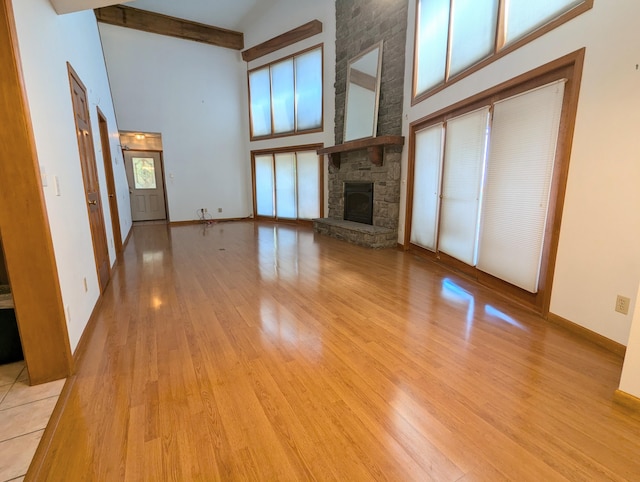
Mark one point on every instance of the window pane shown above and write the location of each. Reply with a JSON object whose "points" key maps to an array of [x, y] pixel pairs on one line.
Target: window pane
{"points": [[524, 16], [473, 32], [426, 187], [260, 94], [431, 45], [282, 96], [308, 170], [309, 90], [144, 172], [465, 149], [519, 171], [264, 185], [286, 186]]}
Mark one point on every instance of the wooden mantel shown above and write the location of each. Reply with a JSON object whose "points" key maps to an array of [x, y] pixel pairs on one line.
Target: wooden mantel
{"points": [[374, 146]]}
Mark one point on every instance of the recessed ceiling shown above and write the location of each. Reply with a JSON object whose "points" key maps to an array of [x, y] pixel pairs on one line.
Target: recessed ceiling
{"points": [[219, 13]]}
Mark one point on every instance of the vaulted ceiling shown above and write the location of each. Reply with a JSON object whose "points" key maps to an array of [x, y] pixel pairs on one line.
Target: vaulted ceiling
{"points": [[227, 14]]}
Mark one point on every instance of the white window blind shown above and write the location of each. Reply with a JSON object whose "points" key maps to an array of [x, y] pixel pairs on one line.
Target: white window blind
{"points": [[309, 90], [426, 186], [308, 174], [524, 16], [464, 157], [260, 90], [431, 44], [264, 185], [286, 185], [473, 32], [524, 136], [282, 98]]}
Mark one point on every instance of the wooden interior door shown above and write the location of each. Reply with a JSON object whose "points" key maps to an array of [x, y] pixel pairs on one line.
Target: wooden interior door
{"points": [[90, 177], [146, 185], [111, 184]]}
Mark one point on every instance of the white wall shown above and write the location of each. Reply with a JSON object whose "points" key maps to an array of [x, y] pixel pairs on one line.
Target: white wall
{"points": [[598, 256], [47, 42], [194, 94], [282, 16]]}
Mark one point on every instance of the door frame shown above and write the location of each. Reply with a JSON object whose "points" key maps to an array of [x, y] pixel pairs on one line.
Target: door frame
{"points": [[164, 181], [28, 246], [111, 184], [98, 229]]}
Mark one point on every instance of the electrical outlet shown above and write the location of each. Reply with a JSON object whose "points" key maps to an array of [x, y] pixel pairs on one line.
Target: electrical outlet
{"points": [[219, 210], [622, 304]]}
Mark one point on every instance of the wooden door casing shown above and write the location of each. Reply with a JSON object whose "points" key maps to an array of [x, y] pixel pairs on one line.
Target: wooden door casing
{"points": [[90, 178]]}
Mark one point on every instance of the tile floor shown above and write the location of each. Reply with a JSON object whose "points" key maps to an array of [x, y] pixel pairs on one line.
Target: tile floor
{"points": [[24, 413]]}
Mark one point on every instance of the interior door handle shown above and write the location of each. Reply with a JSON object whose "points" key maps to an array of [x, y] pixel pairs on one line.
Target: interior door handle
{"points": [[93, 202]]}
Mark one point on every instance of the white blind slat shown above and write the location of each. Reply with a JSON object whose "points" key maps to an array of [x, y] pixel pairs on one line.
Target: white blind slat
{"points": [[524, 136], [426, 186], [464, 155]]}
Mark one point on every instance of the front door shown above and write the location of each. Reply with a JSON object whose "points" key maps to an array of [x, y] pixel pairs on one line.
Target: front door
{"points": [[90, 177], [146, 185]]}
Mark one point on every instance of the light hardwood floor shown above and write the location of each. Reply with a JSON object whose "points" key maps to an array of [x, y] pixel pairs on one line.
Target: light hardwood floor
{"points": [[242, 351]]}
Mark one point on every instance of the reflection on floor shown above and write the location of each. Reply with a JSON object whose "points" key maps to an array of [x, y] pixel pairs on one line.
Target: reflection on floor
{"points": [[24, 413]]}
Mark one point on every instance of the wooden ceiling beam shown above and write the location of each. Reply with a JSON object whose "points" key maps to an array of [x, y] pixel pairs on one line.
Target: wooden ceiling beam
{"points": [[284, 40], [152, 22]]}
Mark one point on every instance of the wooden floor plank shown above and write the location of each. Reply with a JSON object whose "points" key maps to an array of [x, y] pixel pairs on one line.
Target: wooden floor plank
{"points": [[255, 351]]}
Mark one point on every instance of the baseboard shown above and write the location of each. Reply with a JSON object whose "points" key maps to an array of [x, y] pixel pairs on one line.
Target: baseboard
{"points": [[592, 336], [192, 222], [627, 400], [81, 347], [35, 467], [126, 240]]}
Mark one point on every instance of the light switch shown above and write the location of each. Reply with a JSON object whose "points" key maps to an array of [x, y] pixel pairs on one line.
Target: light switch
{"points": [[56, 185]]}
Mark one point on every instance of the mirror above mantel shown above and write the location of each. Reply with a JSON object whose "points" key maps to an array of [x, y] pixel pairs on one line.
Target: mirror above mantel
{"points": [[361, 111], [363, 93]]}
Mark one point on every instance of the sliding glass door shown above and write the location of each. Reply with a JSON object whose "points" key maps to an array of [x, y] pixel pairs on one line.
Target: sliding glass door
{"points": [[482, 181], [287, 184]]}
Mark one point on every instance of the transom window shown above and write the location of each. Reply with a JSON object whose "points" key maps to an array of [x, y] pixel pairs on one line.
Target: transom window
{"points": [[285, 97], [452, 36]]}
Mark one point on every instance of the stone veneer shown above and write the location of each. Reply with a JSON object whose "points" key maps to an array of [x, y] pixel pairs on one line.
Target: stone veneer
{"points": [[359, 25]]}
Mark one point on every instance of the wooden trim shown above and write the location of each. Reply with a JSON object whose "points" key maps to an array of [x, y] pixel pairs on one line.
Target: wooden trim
{"points": [[567, 16], [374, 146], [291, 37], [126, 240], [362, 79], [36, 466], [112, 193], [592, 336], [627, 400], [26, 235], [569, 67], [129, 17], [193, 222]]}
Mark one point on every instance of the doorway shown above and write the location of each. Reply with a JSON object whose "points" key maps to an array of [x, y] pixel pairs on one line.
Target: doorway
{"points": [[90, 178], [111, 184], [145, 175]]}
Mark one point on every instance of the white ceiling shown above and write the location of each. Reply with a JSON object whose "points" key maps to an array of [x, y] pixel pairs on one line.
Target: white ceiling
{"points": [[218, 13]]}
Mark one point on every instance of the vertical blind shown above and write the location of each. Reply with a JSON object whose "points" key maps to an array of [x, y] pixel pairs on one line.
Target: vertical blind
{"points": [[483, 198]]}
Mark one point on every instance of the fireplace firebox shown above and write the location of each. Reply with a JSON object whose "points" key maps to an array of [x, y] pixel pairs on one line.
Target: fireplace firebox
{"points": [[358, 202]]}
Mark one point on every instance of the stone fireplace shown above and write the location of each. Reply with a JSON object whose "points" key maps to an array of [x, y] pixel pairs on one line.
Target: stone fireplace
{"points": [[359, 25]]}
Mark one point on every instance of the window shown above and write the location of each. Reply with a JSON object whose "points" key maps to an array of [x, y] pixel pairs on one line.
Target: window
{"points": [[454, 35], [285, 97], [486, 181], [288, 184]]}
